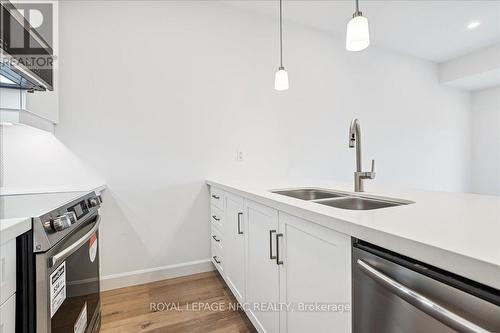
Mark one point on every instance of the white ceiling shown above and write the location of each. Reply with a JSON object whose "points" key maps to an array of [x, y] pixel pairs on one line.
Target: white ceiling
{"points": [[432, 30]]}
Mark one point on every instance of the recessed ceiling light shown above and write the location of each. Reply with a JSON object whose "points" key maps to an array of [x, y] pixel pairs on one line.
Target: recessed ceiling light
{"points": [[473, 25]]}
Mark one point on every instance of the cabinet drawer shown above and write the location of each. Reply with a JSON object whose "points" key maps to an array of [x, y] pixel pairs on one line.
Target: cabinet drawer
{"points": [[217, 257], [7, 270], [8, 315], [217, 217], [216, 236], [217, 198]]}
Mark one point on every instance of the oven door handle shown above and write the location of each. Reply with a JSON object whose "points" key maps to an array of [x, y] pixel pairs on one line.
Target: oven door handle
{"points": [[75, 246], [419, 301]]}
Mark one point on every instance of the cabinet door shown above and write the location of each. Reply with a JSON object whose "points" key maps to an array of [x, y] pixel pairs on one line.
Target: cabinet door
{"points": [[8, 315], [7, 270], [262, 269], [45, 103], [234, 246], [316, 272]]}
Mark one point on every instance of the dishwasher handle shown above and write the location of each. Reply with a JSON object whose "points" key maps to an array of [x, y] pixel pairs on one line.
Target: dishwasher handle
{"points": [[421, 302]]}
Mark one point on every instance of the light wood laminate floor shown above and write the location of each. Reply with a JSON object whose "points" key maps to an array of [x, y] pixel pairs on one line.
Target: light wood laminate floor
{"points": [[132, 309]]}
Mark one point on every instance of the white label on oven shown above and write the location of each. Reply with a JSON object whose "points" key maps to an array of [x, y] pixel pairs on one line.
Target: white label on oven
{"points": [[57, 288], [81, 322], [93, 247]]}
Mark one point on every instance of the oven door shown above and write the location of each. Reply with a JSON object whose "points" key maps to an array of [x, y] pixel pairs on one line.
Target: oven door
{"points": [[67, 283]]}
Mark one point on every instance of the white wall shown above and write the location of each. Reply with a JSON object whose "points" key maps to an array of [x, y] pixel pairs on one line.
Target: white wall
{"points": [[486, 141], [34, 161], [474, 71], [158, 96]]}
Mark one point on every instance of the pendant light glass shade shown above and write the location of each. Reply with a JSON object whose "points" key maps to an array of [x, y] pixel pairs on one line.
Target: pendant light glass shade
{"points": [[358, 34], [281, 79]]}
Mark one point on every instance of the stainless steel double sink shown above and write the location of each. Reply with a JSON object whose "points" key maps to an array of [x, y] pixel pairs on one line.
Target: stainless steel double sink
{"points": [[339, 199]]}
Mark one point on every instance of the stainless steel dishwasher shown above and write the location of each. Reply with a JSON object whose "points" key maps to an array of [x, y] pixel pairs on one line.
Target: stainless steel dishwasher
{"points": [[393, 293]]}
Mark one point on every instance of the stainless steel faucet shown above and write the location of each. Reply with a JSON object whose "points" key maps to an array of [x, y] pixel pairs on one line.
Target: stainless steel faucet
{"points": [[355, 141]]}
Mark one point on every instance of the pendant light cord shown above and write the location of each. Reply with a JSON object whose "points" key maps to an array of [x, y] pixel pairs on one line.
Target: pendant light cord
{"points": [[281, 34], [357, 12]]}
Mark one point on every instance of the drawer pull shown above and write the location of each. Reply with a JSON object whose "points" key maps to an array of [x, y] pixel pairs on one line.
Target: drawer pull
{"points": [[216, 197], [215, 239], [216, 260], [215, 218]]}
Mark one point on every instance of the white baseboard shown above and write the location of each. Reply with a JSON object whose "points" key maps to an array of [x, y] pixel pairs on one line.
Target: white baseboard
{"points": [[133, 278]]}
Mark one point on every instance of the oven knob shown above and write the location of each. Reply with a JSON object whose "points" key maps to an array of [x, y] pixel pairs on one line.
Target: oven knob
{"points": [[93, 202], [72, 217], [61, 222]]}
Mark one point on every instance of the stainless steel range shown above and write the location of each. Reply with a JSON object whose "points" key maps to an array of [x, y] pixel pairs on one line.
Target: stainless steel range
{"points": [[58, 288]]}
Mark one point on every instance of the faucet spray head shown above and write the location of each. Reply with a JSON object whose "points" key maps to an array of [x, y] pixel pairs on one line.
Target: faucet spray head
{"points": [[352, 140], [352, 132]]}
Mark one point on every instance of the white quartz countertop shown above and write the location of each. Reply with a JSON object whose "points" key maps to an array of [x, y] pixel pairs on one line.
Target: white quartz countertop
{"points": [[457, 232], [17, 210], [11, 228]]}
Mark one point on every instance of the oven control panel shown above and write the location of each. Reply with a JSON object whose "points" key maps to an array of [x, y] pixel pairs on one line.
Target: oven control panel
{"points": [[54, 226], [63, 221], [80, 209]]}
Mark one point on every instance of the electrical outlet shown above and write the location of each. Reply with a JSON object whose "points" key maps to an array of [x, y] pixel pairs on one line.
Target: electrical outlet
{"points": [[240, 155]]}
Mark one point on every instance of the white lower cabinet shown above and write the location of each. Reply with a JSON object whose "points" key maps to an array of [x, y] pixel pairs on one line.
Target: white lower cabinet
{"points": [[8, 287], [262, 269], [8, 315], [233, 231], [315, 277], [292, 275], [217, 256], [7, 270]]}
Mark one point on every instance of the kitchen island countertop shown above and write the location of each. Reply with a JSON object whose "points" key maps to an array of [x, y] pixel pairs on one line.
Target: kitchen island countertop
{"points": [[457, 232]]}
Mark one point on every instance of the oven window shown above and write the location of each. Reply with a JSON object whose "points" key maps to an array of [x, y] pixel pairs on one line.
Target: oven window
{"points": [[82, 290]]}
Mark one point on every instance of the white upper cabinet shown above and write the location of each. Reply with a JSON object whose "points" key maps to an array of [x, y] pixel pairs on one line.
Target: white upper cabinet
{"points": [[262, 269], [234, 231], [45, 104], [39, 109], [316, 270], [12, 99]]}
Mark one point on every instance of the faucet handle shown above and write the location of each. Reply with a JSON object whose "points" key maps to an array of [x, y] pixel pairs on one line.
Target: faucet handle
{"points": [[371, 174]]}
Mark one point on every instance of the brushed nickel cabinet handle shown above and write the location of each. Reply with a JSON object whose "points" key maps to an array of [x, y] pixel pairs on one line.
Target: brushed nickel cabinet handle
{"points": [[239, 224], [271, 232], [278, 261]]}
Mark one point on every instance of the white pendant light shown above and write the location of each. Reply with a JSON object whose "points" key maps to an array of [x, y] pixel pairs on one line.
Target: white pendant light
{"points": [[281, 79], [281, 76], [358, 33]]}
